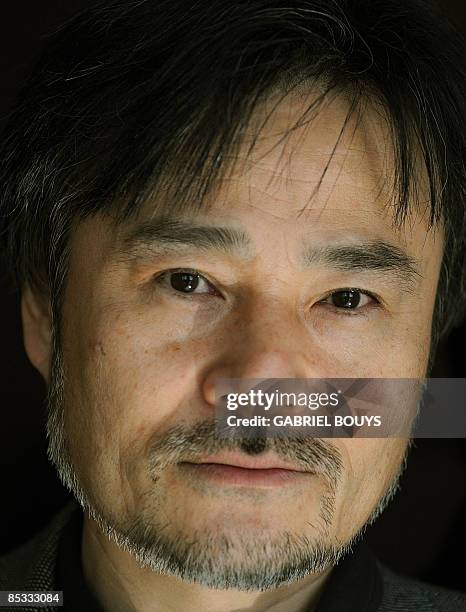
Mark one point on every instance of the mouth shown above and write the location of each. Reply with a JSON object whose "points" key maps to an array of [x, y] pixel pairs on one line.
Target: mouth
{"points": [[236, 469]]}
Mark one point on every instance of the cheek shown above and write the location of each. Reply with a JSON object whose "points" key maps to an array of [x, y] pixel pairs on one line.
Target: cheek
{"points": [[401, 351], [371, 466], [132, 377], [124, 383]]}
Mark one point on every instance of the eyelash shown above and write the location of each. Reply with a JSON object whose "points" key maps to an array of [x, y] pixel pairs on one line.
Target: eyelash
{"points": [[158, 280]]}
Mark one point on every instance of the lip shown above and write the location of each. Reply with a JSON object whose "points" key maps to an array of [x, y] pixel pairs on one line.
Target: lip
{"points": [[238, 470], [264, 462]]}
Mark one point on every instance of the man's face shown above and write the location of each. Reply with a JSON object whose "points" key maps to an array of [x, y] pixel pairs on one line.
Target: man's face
{"points": [[142, 347]]}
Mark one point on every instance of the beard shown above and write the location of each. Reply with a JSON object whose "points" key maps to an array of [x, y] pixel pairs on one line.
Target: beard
{"points": [[210, 557]]}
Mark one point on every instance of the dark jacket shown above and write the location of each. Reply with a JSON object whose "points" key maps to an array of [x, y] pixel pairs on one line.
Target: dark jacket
{"points": [[359, 583]]}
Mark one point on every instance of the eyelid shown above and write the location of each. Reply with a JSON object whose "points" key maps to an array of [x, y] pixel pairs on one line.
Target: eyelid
{"points": [[356, 290]]}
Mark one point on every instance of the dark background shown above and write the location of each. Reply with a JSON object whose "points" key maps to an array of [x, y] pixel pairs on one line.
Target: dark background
{"points": [[422, 532]]}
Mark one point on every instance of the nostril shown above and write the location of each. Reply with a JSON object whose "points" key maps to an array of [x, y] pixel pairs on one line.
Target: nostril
{"points": [[254, 446]]}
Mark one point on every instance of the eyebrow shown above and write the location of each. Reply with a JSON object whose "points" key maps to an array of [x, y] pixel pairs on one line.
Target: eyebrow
{"points": [[172, 234], [165, 235], [373, 255]]}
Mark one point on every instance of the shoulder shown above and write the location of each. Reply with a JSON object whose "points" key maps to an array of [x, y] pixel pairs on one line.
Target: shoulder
{"points": [[403, 594], [32, 565]]}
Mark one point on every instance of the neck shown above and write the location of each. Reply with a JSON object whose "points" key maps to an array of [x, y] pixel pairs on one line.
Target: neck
{"points": [[121, 584]]}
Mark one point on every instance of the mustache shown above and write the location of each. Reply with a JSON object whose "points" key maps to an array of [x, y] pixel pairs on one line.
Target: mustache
{"points": [[191, 443]]}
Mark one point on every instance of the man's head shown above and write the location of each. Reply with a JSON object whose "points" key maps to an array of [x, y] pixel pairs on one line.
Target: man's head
{"points": [[239, 190]]}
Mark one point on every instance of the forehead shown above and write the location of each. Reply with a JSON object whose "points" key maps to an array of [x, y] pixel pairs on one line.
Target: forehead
{"points": [[327, 182], [335, 156], [328, 171]]}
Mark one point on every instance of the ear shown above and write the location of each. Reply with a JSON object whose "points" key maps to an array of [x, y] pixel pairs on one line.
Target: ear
{"points": [[37, 329]]}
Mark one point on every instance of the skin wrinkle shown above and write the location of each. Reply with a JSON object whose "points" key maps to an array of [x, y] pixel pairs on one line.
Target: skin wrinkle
{"points": [[163, 355], [329, 163]]}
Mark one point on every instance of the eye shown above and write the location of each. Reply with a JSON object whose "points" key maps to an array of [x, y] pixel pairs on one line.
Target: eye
{"points": [[185, 282], [349, 299]]}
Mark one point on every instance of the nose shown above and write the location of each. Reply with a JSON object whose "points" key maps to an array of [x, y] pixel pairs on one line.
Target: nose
{"points": [[263, 342]]}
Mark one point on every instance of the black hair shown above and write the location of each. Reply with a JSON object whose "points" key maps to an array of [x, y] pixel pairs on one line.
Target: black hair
{"points": [[130, 94]]}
